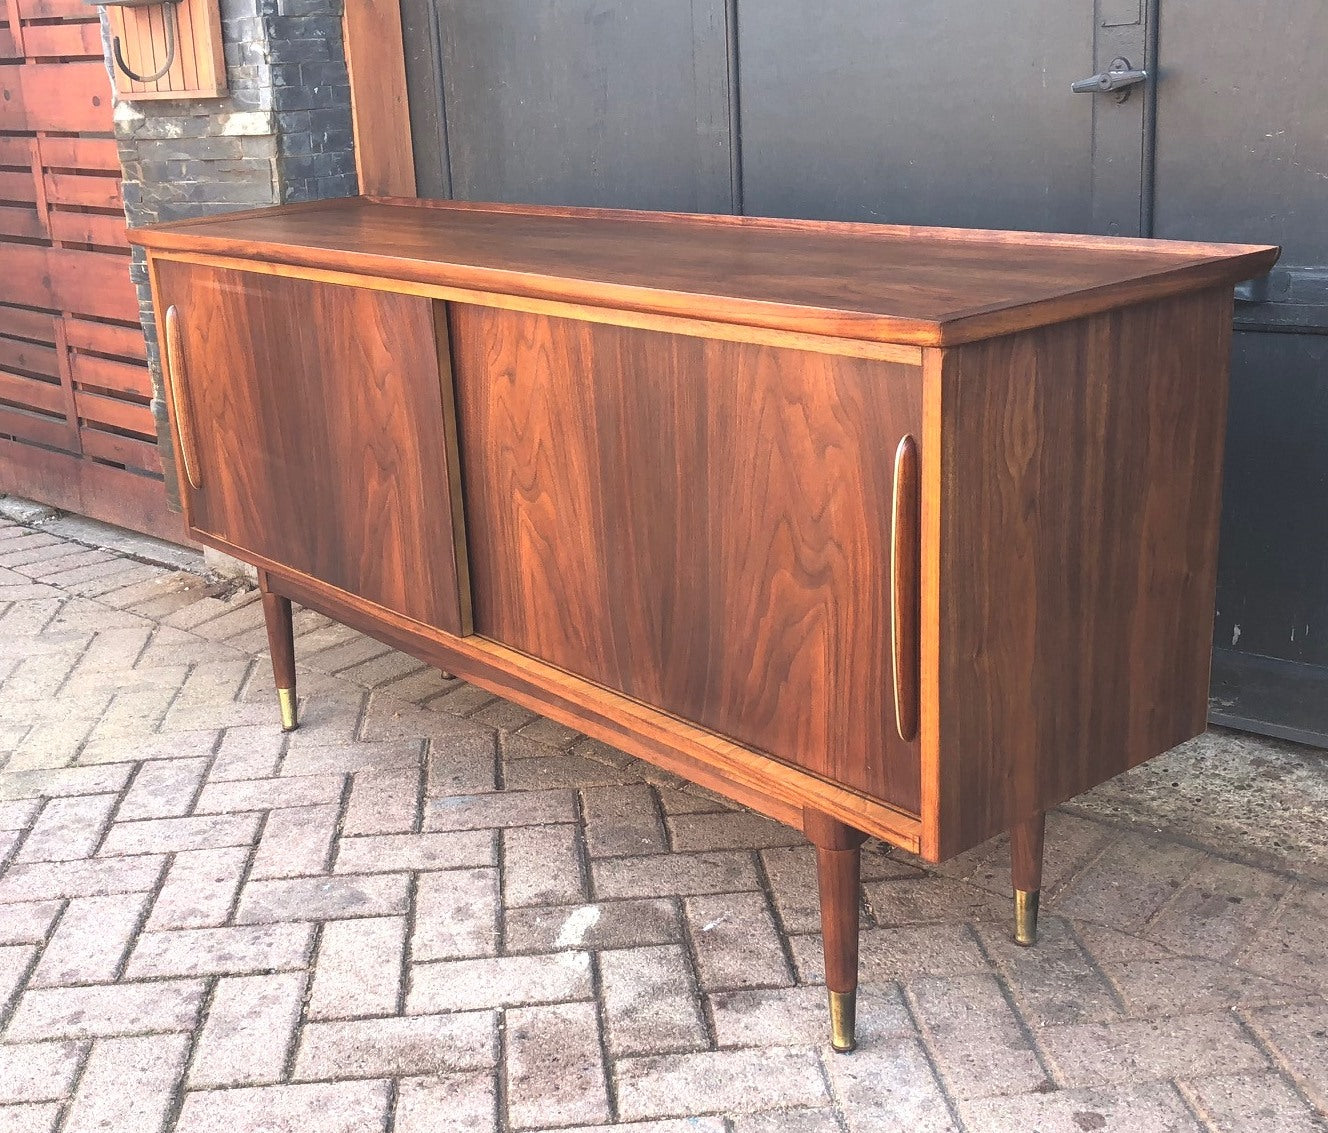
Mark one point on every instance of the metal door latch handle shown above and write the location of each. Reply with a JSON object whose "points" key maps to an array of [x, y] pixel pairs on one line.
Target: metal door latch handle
{"points": [[1118, 76]]}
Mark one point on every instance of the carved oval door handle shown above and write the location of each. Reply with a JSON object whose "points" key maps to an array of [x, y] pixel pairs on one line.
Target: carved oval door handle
{"points": [[179, 397], [905, 587], [175, 375]]}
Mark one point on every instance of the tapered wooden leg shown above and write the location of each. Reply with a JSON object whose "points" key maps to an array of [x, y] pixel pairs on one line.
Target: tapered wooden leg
{"points": [[838, 870], [281, 644], [1026, 873]]}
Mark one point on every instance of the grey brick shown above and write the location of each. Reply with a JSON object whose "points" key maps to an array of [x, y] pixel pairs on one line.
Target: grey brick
{"points": [[296, 841], [162, 789], [1142, 1108], [1095, 1054], [251, 752], [503, 981], [1295, 1033], [649, 1000], [28, 922], [15, 960], [264, 794], [165, 835], [1127, 886], [91, 939], [392, 1047], [622, 821], [341, 1107], [606, 924], [383, 802], [730, 830], [555, 1070], [120, 1009], [319, 898], [666, 875], [68, 828], [389, 852], [448, 1103], [974, 1037], [353, 758], [34, 1072], [359, 969], [726, 1081], [200, 889], [249, 1030], [129, 1083], [1056, 982], [503, 808], [890, 1086], [736, 942], [30, 1117], [96, 877], [456, 915], [541, 866], [221, 951]]}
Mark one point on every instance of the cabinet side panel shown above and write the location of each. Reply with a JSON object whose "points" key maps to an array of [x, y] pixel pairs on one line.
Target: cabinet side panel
{"points": [[703, 525], [1080, 481], [321, 435]]}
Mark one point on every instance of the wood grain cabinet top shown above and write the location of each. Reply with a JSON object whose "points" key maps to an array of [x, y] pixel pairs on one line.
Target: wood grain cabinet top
{"points": [[877, 283]]}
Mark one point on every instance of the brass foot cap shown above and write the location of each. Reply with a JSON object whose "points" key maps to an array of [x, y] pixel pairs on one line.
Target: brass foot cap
{"points": [[1025, 916], [843, 1021], [289, 718]]}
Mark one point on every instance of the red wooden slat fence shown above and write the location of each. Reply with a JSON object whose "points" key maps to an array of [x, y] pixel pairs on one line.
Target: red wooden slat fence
{"points": [[76, 425]]}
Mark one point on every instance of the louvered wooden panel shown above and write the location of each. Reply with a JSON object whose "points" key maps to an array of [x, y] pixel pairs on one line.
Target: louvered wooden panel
{"points": [[76, 424]]}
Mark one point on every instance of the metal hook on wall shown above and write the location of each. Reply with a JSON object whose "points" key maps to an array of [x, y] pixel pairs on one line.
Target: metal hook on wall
{"points": [[171, 20]]}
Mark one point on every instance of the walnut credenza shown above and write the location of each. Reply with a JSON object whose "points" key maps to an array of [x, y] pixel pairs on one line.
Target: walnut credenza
{"points": [[879, 531]]}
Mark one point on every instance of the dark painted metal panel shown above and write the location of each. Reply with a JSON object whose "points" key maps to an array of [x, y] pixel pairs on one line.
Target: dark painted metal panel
{"points": [[931, 112], [1273, 579], [588, 102], [1242, 154]]}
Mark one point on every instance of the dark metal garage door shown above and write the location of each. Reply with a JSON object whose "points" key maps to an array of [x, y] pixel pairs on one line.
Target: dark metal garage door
{"points": [[937, 112]]}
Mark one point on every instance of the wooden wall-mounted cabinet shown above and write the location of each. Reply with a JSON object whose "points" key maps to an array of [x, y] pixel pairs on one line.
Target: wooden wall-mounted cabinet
{"points": [[880, 531], [167, 50]]}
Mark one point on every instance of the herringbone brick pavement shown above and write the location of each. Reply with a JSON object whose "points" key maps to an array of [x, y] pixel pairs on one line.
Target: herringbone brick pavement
{"points": [[430, 911]]}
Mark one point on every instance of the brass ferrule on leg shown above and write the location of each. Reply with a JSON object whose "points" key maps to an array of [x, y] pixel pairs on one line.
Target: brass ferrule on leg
{"points": [[843, 1020], [1025, 916], [289, 719]]}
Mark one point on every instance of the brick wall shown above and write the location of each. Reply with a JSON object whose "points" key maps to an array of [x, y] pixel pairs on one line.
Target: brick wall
{"points": [[282, 133]]}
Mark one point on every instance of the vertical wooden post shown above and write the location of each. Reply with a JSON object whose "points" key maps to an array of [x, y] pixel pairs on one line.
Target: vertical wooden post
{"points": [[1026, 873], [281, 644], [379, 107], [838, 871]]}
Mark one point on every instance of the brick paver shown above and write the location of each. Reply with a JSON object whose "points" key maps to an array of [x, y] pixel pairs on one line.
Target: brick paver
{"points": [[429, 910]]}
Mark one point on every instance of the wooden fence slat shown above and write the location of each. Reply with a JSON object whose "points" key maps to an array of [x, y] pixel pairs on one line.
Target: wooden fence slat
{"points": [[15, 151], [61, 97], [36, 428], [104, 338], [36, 325], [21, 222], [106, 374], [92, 283], [17, 187], [127, 415], [29, 393], [82, 154], [83, 190], [89, 228], [55, 10], [121, 450], [17, 354], [55, 41]]}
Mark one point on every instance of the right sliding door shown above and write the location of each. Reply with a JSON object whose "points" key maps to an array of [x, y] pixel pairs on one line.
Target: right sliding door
{"points": [[703, 525]]}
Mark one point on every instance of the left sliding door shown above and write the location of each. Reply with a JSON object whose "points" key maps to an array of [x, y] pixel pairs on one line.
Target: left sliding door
{"points": [[316, 430]]}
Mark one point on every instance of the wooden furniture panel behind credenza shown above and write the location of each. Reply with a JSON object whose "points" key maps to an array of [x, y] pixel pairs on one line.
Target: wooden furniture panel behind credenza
{"points": [[725, 509], [317, 423]]}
